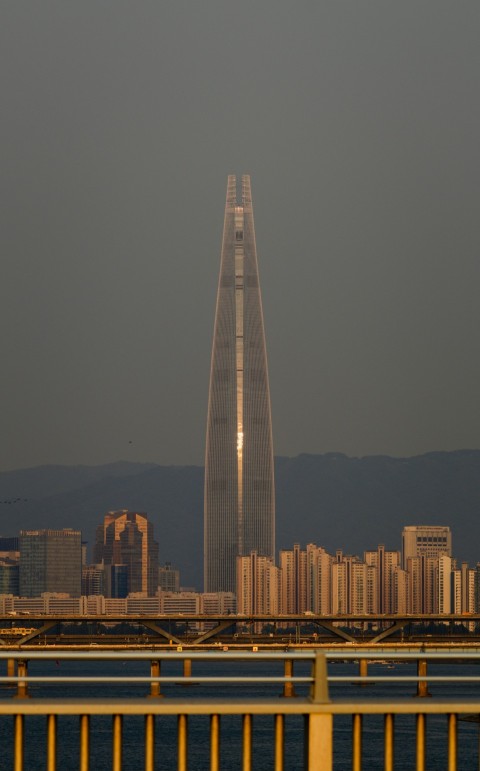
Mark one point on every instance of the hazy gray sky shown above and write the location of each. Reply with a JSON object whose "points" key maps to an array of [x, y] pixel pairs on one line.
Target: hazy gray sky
{"points": [[359, 123]]}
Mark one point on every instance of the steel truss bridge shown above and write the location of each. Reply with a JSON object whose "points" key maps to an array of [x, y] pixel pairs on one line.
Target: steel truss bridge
{"points": [[195, 630]]}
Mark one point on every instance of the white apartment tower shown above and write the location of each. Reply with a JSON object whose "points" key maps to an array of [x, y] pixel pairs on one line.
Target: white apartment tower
{"points": [[258, 585]]}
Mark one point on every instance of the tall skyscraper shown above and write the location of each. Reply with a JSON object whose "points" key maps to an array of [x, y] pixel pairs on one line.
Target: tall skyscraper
{"points": [[50, 561], [126, 539], [239, 475]]}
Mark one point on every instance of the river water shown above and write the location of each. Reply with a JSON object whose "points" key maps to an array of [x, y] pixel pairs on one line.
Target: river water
{"points": [[133, 732]]}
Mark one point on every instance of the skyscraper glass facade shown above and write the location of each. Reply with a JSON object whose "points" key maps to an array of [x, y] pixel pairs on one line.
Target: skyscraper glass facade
{"points": [[126, 538], [239, 501], [50, 561]]}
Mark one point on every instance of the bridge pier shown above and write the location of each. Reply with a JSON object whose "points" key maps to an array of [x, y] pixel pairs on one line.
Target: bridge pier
{"points": [[187, 669], [422, 685], [363, 670], [155, 687], [22, 687], [288, 688]]}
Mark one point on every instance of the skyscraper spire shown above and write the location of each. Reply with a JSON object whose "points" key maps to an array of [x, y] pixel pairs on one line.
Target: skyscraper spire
{"points": [[239, 474]]}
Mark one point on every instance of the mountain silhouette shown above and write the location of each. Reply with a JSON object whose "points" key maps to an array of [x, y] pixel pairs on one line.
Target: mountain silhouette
{"points": [[333, 500]]}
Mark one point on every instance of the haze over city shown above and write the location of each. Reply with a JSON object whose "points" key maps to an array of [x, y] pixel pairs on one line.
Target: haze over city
{"points": [[359, 125]]}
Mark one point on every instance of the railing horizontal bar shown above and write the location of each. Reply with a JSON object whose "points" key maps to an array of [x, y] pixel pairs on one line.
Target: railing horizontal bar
{"points": [[280, 705], [403, 679], [164, 654], [131, 680], [226, 680], [382, 656]]}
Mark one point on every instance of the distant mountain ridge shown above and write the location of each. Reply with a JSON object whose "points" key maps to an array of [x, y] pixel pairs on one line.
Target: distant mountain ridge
{"points": [[336, 501]]}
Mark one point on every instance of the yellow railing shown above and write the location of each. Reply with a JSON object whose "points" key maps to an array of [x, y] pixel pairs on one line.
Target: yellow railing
{"points": [[318, 727], [318, 710]]}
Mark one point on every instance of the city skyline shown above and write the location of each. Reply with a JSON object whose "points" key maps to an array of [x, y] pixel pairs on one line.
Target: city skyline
{"points": [[239, 495], [424, 578], [319, 498], [359, 125]]}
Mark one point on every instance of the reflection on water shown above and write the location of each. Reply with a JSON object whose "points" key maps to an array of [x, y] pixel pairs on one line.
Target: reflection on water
{"points": [[68, 727]]}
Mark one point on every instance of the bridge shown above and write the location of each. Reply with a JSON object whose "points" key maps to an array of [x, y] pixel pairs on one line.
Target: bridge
{"points": [[196, 630]]}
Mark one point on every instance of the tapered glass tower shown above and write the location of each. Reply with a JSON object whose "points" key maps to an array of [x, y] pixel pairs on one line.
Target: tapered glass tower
{"points": [[239, 482]]}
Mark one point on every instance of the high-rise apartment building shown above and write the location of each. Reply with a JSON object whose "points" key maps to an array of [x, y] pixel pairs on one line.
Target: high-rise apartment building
{"points": [[384, 563], [444, 584], [126, 538], [258, 585], [400, 591], [293, 567], [318, 580], [463, 589], [239, 506], [50, 561]]}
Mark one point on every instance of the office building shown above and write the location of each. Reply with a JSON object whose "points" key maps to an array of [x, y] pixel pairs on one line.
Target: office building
{"points": [[9, 544], [50, 561], [92, 580], [9, 576], [221, 603], [126, 539], [239, 505], [168, 578], [184, 603], [426, 541]]}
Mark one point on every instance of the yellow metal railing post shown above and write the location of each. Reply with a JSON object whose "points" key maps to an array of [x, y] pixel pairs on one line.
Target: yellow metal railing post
{"points": [[149, 742], [84, 742], [452, 742], [214, 742], [319, 733], [319, 689], [389, 743], [182, 741], [117, 743], [421, 736], [19, 722], [51, 742], [319, 742], [247, 743], [356, 742], [279, 742]]}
